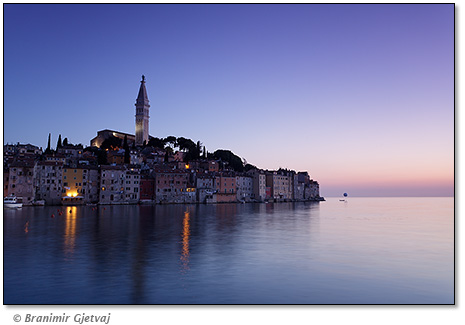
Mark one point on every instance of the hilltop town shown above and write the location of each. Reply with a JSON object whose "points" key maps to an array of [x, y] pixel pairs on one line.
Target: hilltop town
{"points": [[123, 168]]}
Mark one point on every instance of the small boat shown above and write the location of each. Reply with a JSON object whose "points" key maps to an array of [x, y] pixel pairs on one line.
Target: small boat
{"points": [[11, 202], [38, 202]]}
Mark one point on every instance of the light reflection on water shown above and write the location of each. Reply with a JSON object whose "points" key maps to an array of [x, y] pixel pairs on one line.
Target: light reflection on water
{"points": [[365, 250]]}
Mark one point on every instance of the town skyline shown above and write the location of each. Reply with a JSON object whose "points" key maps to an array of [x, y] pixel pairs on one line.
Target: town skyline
{"points": [[369, 111]]}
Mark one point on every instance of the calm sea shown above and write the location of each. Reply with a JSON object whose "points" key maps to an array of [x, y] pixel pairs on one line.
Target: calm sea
{"points": [[363, 251]]}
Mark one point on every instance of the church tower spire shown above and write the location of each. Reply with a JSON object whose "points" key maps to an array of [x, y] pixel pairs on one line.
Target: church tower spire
{"points": [[142, 115]]}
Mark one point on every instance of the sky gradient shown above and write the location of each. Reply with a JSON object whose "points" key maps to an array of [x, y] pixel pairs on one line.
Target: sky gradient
{"points": [[361, 96]]}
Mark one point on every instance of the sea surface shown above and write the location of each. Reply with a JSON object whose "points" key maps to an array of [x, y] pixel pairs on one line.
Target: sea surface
{"points": [[359, 251]]}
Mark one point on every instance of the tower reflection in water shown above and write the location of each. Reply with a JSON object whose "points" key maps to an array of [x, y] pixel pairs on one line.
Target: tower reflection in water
{"points": [[185, 242], [70, 231]]}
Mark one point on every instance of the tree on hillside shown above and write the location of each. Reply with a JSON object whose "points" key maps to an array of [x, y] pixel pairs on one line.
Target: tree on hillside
{"points": [[248, 167], [65, 142], [171, 141], [198, 150], [185, 144], [127, 157], [102, 157], [59, 145], [227, 156], [48, 150], [157, 143]]}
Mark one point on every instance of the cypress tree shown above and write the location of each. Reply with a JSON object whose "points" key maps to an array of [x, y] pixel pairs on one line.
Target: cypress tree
{"points": [[48, 150], [59, 145], [127, 157]]}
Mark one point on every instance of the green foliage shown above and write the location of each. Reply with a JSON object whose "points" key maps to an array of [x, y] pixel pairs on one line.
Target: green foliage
{"points": [[48, 150], [59, 145], [185, 144], [234, 161], [248, 167], [171, 140], [102, 157], [157, 143]]}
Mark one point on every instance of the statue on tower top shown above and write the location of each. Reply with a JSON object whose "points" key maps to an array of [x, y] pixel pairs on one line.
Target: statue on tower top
{"points": [[143, 78]]}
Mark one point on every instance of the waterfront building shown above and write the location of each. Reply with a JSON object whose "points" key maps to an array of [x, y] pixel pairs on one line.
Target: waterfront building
{"points": [[312, 191], [142, 115], [279, 185], [48, 181], [72, 185], [6, 176], [225, 185], [299, 188], [90, 184], [244, 185], [290, 185], [205, 186], [147, 188], [173, 186], [132, 184], [259, 184], [21, 181], [112, 181]]}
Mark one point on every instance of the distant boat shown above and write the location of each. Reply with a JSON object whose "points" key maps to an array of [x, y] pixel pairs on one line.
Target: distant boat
{"points": [[11, 202], [38, 202], [345, 195]]}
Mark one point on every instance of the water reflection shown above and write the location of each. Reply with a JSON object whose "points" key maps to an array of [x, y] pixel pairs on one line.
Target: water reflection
{"points": [[70, 231], [368, 251], [185, 242]]}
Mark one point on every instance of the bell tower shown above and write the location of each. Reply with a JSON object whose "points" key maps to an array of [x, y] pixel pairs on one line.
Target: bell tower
{"points": [[142, 115]]}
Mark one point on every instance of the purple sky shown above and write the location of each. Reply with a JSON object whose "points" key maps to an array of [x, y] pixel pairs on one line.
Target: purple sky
{"points": [[361, 96]]}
